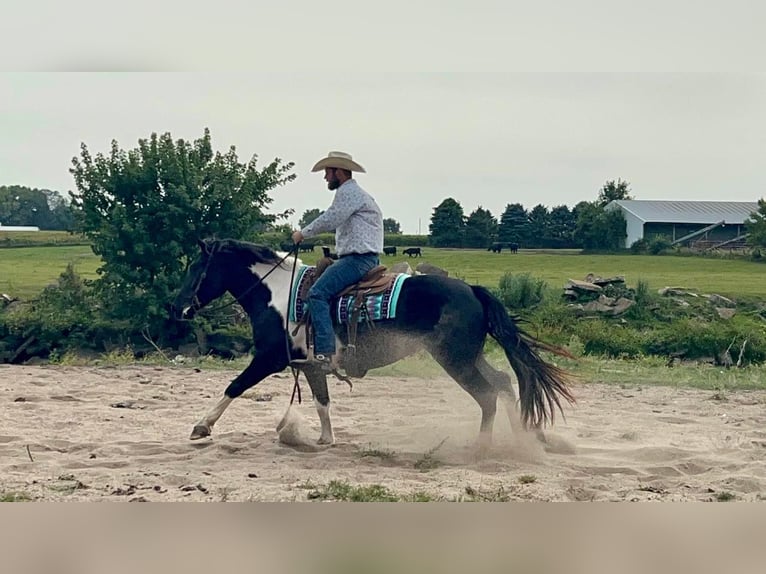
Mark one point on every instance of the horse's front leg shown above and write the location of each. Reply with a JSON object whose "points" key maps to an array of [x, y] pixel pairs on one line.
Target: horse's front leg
{"points": [[256, 371], [318, 383]]}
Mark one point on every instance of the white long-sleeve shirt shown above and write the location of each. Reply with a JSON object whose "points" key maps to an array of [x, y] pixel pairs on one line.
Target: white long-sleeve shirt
{"points": [[356, 219]]}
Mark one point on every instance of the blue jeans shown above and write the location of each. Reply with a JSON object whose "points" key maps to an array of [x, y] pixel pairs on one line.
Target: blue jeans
{"points": [[342, 273]]}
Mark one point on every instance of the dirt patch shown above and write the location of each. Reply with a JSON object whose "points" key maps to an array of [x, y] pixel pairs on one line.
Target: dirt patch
{"points": [[81, 433]]}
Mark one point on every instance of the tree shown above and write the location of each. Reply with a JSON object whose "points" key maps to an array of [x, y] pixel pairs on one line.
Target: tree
{"points": [[756, 226], [447, 224], [144, 210], [598, 228], [480, 228], [612, 190], [391, 226], [537, 226], [308, 216], [561, 225], [43, 208], [513, 224]]}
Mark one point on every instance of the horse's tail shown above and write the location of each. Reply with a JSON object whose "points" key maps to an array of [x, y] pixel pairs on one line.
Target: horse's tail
{"points": [[541, 385]]}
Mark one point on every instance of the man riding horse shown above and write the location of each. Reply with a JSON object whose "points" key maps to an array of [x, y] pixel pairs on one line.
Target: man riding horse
{"points": [[358, 224]]}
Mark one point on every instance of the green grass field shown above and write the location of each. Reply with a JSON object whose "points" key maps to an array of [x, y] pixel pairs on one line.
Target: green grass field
{"points": [[24, 271]]}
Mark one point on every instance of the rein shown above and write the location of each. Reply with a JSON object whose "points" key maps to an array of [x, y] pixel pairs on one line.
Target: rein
{"points": [[208, 310], [293, 251]]}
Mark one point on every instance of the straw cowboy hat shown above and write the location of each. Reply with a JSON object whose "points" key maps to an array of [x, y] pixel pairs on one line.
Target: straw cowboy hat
{"points": [[340, 160]]}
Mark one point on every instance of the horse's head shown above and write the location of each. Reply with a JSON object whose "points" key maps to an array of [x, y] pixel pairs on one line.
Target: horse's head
{"points": [[203, 282]]}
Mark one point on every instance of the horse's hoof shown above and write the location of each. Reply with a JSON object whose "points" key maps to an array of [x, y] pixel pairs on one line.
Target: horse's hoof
{"points": [[200, 431]]}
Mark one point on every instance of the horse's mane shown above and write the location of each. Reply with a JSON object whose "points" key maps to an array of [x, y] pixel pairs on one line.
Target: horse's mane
{"points": [[259, 253]]}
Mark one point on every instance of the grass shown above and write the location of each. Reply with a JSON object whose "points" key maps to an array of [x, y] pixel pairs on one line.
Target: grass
{"points": [[25, 271], [14, 497]]}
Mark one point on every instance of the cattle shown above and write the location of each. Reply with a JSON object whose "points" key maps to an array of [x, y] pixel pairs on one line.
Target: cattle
{"points": [[327, 253], [514, 247], [389, 250], [412, 252], [495, 247], [305, 247]]}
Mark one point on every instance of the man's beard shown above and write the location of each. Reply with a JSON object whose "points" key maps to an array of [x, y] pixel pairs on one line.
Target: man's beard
{"points": [[333, 184]]}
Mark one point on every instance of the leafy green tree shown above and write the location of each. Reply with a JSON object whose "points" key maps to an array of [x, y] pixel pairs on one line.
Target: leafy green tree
{"points": [[447, 224], [391, 226], [613, 190], [480, 228], [513, 224], [43, 208], [308, 216], [756, 226], [598, 228], [144, 210]]}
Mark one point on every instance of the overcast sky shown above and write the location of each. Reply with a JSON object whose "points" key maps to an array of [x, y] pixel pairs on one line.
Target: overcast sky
{"points": [[484, 139]]}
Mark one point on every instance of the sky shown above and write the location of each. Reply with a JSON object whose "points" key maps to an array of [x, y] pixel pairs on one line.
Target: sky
{"points": [[483, 139]]}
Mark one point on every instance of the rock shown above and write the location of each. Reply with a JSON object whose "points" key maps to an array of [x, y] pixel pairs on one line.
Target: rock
{"points": [[596, 307], [725, 312], [428, 269], [670, 291], [401, 267], [622, 305], [720, 301], [582, 286], [601, 281]]}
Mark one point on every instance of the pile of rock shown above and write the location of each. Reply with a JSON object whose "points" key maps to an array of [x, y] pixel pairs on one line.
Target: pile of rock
{"points": [[725, 307], [599, 295]]}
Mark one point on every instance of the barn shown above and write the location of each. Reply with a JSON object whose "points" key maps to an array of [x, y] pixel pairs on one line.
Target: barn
{"points": [[705, 224]]}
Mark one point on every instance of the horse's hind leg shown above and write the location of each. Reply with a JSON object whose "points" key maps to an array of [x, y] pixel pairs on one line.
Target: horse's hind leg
{"points": [[504, 385], [475, 384]]}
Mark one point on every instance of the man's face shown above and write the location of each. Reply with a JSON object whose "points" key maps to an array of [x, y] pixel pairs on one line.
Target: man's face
{"points": [[331, 178]]}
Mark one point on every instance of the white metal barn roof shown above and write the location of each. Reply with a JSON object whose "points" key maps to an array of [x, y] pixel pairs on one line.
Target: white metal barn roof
{"points": [[660, 211]]}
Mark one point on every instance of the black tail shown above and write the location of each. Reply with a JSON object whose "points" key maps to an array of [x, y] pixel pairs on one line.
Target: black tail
{"points": [[541, 385]]}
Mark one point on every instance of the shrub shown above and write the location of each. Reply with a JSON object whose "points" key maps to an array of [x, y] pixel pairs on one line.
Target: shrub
{"points": [[521, 291]]}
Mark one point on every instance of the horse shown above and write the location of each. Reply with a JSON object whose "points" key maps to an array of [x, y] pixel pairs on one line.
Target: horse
{"points": [[445, 316]]}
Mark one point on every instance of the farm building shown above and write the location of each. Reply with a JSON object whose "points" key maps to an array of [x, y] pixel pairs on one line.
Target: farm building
{"points": [[703, 224], [18, 227]]}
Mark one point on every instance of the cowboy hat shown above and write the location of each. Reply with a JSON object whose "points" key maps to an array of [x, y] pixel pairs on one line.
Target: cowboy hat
{"points": [[340, 160]]}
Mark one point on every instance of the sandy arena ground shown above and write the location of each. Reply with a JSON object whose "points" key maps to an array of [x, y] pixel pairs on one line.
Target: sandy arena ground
{"points": [[121, 434]]}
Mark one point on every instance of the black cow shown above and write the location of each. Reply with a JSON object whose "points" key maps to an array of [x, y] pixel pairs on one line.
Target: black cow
{"points": [[305, 247], [514, 247], [412, 252], [389, 250], [495, 247], [326, 252]]}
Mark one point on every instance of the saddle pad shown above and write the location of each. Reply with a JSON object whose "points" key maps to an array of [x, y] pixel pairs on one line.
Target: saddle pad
{"points": [[379, 306]]}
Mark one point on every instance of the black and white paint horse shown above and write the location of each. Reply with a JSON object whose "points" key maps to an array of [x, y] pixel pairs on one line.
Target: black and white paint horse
{"points": [[445, 316]]}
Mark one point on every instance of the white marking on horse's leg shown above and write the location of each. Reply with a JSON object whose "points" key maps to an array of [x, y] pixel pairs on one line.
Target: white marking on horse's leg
{"points": [[326, 436], [204, 426]]}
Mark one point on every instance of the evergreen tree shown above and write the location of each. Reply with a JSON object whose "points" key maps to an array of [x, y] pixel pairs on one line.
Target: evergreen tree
{"points": [[480, 228], [447, 224], [513, 224]]}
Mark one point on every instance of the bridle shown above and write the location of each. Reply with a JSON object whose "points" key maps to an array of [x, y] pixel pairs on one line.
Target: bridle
{"points": [[196, 305]]}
